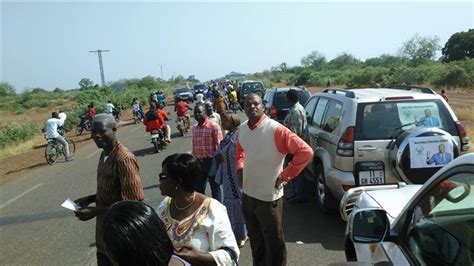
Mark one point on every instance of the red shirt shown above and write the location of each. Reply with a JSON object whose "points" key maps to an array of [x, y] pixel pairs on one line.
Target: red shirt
{"points": [[163, 113], [206, 139], [182, 108], [91, 113], [151, 125]]}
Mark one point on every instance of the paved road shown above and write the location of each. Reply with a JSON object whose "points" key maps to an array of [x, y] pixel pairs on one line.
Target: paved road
{"points": [[36, 230]]}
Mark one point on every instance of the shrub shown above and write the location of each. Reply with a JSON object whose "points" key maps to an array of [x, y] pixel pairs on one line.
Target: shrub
{"points": [[14, 133]]}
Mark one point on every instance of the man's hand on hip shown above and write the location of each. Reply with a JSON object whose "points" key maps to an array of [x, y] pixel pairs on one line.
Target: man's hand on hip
{"points": [[279, 183]]}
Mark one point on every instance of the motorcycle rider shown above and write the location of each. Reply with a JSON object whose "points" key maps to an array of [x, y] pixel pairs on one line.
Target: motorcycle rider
{"points": [[137, 108], [154, 121], [91, 112], [161, 111], [181, 108]]}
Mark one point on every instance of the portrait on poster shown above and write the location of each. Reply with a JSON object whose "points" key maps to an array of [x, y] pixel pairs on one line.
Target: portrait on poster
{"points": [[434, 151]]}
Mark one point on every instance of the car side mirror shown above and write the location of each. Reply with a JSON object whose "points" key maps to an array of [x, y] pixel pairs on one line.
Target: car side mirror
{"points": [[369, 225]]}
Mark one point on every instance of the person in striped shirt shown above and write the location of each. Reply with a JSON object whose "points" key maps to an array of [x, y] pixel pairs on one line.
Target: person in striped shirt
{"points": [[118, 179], [207, 136]]}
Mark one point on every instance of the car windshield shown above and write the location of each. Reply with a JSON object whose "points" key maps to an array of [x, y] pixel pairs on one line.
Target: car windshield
{"points": [[282, 103], [385, 120], [182, 90], [199, 87], [251, 86]]}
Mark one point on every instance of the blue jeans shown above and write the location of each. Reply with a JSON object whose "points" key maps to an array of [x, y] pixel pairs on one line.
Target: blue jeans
{"points": [[295, 187], [202, 182]]}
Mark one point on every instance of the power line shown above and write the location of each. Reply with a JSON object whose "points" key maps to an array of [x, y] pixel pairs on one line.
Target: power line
{"points": [[99, 53]]}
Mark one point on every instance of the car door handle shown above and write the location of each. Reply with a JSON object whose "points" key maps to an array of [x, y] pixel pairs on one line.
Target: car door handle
{"points": [[367, 148]]}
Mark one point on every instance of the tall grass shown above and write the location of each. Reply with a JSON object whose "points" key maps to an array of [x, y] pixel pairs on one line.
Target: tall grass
{"points": [[15, 133]]}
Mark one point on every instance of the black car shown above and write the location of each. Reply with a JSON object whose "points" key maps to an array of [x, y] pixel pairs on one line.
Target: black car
{"points": [[199, 88], [186, 94], [248, 87], [276, 104]]}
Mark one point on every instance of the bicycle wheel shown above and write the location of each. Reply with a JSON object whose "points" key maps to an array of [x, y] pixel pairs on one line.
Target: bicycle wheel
{"points": [[51, 153], [72, 147]]}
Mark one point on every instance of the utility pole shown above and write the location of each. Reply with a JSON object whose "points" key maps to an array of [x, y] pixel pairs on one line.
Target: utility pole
{"points": [[161, 70], [99, 53]]}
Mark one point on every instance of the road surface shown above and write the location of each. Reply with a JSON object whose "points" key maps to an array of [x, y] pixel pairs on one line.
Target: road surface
{"points": [[35, 230]]}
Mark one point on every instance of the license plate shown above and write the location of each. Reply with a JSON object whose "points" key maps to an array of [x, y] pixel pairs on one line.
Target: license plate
{"points": [[154, 136], [374, 177]]}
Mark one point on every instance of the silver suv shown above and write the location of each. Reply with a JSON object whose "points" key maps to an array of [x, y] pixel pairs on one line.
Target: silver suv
{"points": [[379, 136]]}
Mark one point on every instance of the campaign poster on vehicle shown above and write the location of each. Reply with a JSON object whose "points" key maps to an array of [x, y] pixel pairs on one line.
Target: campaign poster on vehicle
{"points": [[423, 114], [434, 151]]}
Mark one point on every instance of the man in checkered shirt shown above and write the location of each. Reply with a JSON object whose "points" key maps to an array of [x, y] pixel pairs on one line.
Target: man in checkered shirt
{"points": [[206, 138]]}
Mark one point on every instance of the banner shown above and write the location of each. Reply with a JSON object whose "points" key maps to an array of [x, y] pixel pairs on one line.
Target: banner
{"points": [[420, 114], [434, 151]]}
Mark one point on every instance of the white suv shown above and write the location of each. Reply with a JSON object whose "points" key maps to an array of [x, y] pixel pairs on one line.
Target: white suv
{"points": [[379, 136]]}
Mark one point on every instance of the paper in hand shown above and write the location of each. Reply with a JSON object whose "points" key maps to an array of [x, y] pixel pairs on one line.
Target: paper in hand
{"points": [[71, 205]]}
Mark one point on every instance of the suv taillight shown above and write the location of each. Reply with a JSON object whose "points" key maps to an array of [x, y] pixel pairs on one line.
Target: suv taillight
{"points": [[273, 112], [463, 136], [345, 147]]}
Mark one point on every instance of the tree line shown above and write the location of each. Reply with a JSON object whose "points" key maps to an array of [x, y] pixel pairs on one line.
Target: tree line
{"points": [[414, 63]]}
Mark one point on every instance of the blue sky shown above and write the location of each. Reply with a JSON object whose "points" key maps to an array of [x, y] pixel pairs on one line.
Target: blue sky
{"points": [[46, 44]]}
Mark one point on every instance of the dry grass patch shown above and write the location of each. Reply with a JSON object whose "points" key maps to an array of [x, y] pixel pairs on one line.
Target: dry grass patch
{"points": [[464, 113], [22, 147]]}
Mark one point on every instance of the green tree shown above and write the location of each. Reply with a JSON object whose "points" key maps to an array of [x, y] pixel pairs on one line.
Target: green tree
{"points": [[343, 60], [459, 46], [420, 49], [385, 60], [85, 84], [315, 59], [6, 89]]}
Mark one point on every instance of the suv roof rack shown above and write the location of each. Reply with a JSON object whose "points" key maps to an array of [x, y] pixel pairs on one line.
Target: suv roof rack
{"points": [[349, 94], [411, 88]]}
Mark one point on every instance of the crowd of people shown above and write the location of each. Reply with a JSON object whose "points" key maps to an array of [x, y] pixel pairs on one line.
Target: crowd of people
{"points": [[247, 164]]}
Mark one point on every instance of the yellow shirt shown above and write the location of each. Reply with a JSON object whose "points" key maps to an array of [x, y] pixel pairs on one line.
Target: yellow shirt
{"points": [[233, 96]]}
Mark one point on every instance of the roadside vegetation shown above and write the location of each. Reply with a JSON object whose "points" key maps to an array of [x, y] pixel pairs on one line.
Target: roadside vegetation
{"points": [[414, 64], [13, 135]]}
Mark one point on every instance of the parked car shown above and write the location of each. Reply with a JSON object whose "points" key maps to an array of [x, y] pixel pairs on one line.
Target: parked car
{"points": [[414, 224], [199, 88], [248, 87], [377, 136], [276, 104], [186, 94]]}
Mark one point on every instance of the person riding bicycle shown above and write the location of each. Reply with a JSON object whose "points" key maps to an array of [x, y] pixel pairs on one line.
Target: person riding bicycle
{"points": [[181, 108], [51, 131], [154, 121], [137, 108]]}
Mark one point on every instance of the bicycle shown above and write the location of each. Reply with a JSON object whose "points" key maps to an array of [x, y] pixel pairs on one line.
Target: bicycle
{"points": [[54, 149]]}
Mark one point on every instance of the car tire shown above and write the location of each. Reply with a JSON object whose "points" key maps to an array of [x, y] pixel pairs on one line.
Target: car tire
{"points": [[324, 197]]}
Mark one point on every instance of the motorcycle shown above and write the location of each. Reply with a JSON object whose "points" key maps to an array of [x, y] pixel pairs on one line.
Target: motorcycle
{"points": [[117, 113], [137, 116], [85, 124], [182, 125], [158, 140]]}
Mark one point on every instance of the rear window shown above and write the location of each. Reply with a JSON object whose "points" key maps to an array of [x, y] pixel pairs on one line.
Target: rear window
{"points": [[251, 86], [383, 120], [281, 102], [182, 90]]}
